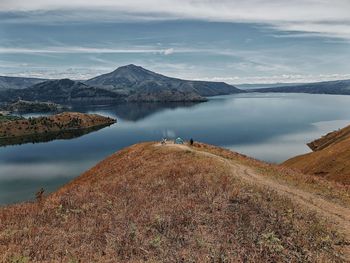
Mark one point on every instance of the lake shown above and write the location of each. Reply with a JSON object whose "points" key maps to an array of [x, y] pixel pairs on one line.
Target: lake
{"points": [[269, 127]]}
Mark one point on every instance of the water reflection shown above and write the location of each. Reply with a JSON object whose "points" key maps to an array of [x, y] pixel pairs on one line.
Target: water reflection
{"points": [[135, 111]]}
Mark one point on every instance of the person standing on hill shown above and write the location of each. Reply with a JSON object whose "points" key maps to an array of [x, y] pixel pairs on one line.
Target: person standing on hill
{"points": [[191, 141]]}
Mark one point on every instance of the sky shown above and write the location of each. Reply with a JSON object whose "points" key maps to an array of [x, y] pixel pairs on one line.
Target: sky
{"points": [[236, 41]]}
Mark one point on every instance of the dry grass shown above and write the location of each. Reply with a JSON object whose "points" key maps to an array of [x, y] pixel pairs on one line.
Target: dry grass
{"points": [[66, 121], [330, 139], [332, 162], [330, 159], [331, 190], [161, 204]]}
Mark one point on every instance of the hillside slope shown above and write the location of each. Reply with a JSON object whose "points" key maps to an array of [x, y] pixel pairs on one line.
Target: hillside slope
{"points": [[330, 139], [340, 87], [181, 204], [330, 159]]}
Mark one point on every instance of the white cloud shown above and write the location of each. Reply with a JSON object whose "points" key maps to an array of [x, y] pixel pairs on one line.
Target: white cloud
{"points": [[169, 51], [331, 18], [76, 50]]}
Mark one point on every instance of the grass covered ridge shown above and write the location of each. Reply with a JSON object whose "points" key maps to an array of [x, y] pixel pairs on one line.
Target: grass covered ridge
{"points": [[165, 204]]}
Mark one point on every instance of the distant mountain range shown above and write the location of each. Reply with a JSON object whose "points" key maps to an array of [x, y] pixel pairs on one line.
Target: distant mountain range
{"points": [[18, 82], [133, 83], [64, 91], [340, 87], [264, 85], [126, 84]]}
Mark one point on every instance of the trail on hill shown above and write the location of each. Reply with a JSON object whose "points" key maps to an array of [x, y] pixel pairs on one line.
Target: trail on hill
{"points": [[338, 215]]}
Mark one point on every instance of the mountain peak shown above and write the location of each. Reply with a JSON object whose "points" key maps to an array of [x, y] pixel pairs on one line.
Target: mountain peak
{"points": [[131, 68], [125, 75]]}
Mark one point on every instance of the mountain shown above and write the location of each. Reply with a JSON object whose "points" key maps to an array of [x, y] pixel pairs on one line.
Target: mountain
{"points": [[338, 87], [330, 159], [135, 79], [63, 91], [18, 82], [179, 203], [128, 83]]}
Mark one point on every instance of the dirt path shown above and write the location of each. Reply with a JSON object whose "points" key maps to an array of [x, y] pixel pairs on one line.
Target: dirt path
{"points": [[338, 215]]}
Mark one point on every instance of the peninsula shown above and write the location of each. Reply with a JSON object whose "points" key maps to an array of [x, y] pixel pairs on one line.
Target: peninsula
{"points": [[34, 128]]}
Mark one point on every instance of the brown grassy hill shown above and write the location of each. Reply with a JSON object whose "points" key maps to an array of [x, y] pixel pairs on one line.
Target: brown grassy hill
{"points": [[181, 204], [330, 159], [330, 139], [66, 121]]}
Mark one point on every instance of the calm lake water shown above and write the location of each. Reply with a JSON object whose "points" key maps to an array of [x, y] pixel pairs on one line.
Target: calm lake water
{"points": [[270, 127]]}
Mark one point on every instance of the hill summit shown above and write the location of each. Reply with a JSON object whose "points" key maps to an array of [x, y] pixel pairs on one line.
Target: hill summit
{"points": [[128, 75]]}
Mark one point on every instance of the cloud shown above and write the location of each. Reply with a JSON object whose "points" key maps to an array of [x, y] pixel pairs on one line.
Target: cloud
{"points": [[169, 51], [324, 17], [85, 50], [339, 30], [78, 73]]}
